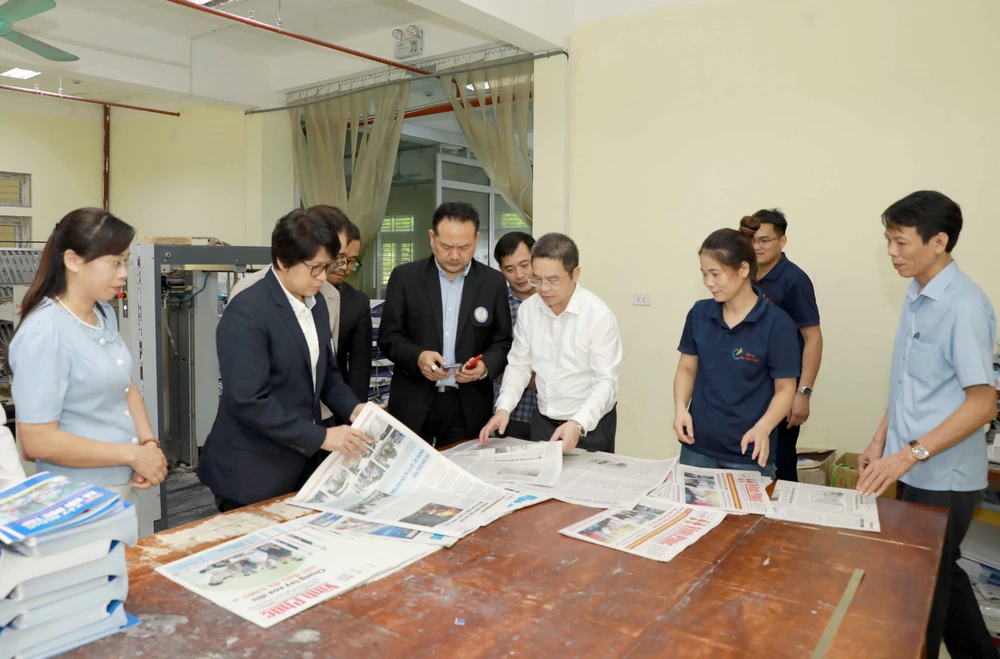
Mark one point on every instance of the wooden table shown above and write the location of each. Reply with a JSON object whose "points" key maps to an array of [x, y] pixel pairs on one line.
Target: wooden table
{"points": [[753, 587]]}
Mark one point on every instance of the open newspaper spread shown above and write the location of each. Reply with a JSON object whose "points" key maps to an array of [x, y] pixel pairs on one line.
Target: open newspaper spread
{"points": [[605, 480], [824, 506], [272, 574], [524, 463], [738, 492], [403, 482], [652, 529]]}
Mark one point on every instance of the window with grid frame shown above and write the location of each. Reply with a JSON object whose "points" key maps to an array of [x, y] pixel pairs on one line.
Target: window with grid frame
{"points": [[397, 247], [15, 189]]}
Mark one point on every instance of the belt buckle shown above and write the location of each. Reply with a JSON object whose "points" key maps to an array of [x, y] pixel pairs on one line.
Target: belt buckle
{"points": [[441, 389]]}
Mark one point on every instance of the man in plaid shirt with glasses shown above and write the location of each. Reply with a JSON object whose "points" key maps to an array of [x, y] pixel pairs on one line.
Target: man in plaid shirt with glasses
{"points": [[513, 254]]}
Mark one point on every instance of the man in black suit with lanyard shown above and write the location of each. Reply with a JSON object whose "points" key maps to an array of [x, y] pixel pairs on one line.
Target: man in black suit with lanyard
{"points": [[276, 361], [441, 313]]}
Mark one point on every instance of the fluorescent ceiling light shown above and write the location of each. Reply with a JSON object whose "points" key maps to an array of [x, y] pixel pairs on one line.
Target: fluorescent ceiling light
{"points": [[20, 74], [486, 86]]}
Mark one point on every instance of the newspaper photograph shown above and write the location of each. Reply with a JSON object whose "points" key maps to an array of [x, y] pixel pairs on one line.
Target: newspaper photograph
{"points": [[272, 574], [737, 492], [824, 506], [344, 524], [605, 480], [654, 529], [524, 463], [403, 482]]}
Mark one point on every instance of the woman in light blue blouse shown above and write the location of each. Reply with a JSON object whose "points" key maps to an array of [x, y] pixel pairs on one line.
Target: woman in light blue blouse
{"points": [[78, 410]]}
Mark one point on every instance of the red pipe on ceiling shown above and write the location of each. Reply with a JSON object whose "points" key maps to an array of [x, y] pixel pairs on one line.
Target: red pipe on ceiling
{"points": [[66, 97], [301, 37]]}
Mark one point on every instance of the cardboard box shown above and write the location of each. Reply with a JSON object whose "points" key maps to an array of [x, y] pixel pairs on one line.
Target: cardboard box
{"points": [[818, 473], [844, 474]]}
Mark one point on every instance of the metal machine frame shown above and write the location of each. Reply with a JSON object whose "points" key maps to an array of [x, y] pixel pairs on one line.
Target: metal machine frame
{"points": [[142, 325]]}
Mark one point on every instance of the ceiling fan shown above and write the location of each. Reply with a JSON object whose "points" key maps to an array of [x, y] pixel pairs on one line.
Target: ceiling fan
{"points": [[13, 11]]}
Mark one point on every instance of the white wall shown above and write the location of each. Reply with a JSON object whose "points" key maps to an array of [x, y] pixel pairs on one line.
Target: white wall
{"points": [[687, 117], [61, 145], [210, 172]]}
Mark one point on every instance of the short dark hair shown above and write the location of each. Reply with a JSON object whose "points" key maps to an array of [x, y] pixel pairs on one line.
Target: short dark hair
{"points": [[341, 223], [771, 216], [298, 237], [929, 212], [557, 246], [732, 249], [509, 242], [455, 210]]}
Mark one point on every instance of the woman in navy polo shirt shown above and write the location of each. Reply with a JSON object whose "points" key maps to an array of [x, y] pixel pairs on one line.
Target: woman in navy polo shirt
{"points": [[739, 362]]}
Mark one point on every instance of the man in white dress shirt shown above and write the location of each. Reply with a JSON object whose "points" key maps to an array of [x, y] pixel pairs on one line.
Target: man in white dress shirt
{"points": [[569, 338]]}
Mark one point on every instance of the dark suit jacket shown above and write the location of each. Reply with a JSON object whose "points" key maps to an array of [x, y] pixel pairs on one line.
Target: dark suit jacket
{"points": [[269, 425], [354, 345], [412, 322]]}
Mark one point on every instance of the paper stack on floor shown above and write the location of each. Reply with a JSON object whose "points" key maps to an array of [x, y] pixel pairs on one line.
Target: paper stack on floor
{"points": [[981, 560], [62, 565]]}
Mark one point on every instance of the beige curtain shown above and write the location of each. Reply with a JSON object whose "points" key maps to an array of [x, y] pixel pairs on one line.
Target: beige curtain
{"points": [[494, 120], [356, 135]]}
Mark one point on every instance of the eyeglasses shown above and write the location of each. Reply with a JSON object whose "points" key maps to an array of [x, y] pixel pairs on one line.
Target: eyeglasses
{"points": [[764, 241], [352, 264], [329, 268], [547, 283]]}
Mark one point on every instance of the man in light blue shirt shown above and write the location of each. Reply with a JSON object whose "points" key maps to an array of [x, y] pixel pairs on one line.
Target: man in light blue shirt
{"points": [[451, 298], [931, 439]]}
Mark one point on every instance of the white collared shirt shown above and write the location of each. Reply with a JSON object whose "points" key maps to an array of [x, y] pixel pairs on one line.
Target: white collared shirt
{"points": [[303, 313], [576, 357]]}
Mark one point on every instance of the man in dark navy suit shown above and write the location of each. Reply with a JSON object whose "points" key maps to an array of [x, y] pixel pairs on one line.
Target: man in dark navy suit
{"points": [[440, 313], [277, 363]]}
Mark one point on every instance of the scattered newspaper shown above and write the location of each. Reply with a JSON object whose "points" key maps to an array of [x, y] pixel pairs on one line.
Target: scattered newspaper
{"points": [[605, 480], [653, 529], [343, 524], [525, 463], [739, 492], [824, 506], [403, 482], [272, 574]]}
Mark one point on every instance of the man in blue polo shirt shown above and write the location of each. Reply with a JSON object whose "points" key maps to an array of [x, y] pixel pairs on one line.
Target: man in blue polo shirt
{"points": [[787, 287], [941, 394]]}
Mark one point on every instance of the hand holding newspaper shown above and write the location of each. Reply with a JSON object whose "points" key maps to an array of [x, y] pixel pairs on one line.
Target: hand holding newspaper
{"points": [[403, 482]]}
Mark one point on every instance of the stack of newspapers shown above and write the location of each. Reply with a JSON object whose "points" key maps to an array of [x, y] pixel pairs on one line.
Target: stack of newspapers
{"points": [[63, 580]]}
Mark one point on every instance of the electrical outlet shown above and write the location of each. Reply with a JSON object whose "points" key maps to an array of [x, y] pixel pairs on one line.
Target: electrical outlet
{"points": [[640, 299]]}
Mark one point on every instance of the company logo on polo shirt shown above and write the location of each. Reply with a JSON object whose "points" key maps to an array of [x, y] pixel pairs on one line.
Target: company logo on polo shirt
{"points": [[740, 355]]}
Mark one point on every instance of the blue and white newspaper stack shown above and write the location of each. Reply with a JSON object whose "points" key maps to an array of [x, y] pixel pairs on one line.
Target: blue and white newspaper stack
{"points": [[381, 375], [62, 565]]}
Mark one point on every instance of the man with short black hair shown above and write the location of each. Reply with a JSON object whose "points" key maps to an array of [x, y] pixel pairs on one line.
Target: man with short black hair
{"points": [[446, 328], [354, 338], [788, 287], [277, 365], [941, 394], [569, 338], [513, 255]]}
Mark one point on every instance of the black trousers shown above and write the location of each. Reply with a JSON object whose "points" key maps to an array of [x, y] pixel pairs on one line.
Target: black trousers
{"points": [[955, 615], [601, 438], [786, 460], [445, 422], [518, 429]]}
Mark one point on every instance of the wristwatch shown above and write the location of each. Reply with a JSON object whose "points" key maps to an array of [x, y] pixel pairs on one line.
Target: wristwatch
{"points": [[579, 427], [806, 391], [919, 451]]}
